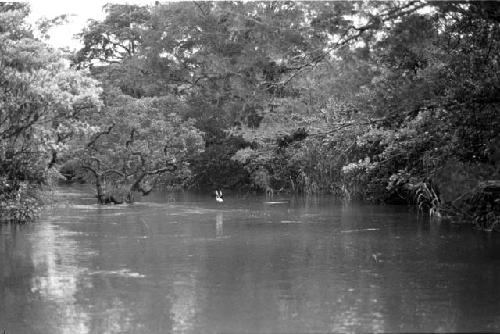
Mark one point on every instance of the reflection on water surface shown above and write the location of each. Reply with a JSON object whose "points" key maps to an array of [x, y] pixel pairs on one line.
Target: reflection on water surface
{"points": [[195, 266]]}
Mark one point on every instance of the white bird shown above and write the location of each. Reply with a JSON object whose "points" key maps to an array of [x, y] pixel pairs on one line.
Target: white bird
{"points": [[218, 196]]}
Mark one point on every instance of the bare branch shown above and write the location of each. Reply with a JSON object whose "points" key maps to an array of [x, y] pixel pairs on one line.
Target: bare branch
{"points": [[158, 171], [200, 8], [98, 135], [90, 169], [113, 171], [348, 37]]}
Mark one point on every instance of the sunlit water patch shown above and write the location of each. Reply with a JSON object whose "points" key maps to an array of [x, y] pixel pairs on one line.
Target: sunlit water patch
{"points": [[118, 273]]}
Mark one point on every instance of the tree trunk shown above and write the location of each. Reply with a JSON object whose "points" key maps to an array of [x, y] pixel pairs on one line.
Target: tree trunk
{"points": [[100, 190]]}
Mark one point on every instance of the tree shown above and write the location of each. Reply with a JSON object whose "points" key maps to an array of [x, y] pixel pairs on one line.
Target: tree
{"points": [[119, 36], [383, 95], [437, 91], [135, 143], [40, 99]]}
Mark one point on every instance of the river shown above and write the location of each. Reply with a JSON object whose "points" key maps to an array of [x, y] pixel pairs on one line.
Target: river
{"points": [[185, 264]]}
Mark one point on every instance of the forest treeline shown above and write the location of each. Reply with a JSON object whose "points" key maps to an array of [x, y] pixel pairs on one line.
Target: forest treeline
{"points": [[394, 102]]}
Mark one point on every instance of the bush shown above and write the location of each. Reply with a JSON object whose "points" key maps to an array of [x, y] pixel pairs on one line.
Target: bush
{"points": [[214, 168], [20, 202]]}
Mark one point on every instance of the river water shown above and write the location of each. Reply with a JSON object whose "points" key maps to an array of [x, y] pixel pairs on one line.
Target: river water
{"points": [[186, 264]]}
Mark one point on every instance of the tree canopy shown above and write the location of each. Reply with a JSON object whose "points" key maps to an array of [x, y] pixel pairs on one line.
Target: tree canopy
{"points": [[41, 99], [385, 101]]}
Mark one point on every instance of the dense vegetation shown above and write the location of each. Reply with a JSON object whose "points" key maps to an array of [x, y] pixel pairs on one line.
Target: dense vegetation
{"points": [[393, 102]]}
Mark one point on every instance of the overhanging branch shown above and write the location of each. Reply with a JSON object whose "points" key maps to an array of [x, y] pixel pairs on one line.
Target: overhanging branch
{"points": [[98, 135]]}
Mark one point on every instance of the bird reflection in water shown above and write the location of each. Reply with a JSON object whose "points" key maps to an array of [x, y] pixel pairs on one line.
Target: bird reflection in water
{"points": [[219, 225]]}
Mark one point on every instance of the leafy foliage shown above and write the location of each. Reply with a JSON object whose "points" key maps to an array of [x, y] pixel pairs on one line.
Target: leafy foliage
{"points": [[40, 98], [214, 168], [386, 101], [135, 142]]}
